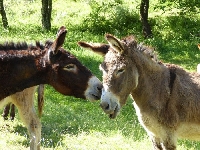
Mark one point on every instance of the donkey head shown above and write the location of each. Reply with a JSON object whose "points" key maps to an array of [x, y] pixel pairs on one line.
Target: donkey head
{"points": [[120, 74], [66, 73]]}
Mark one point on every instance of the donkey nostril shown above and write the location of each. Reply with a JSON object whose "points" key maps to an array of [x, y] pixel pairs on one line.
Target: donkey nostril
{"points": [[99, 88], [104, 106], [107, 107]]}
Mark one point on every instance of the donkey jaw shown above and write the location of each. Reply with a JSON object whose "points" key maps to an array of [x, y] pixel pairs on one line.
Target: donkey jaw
{"points": [[93, 91]]}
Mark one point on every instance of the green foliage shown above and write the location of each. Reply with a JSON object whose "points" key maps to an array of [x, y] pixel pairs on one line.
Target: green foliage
{"points": [[181, 4], [176, 36], [110, 17]]}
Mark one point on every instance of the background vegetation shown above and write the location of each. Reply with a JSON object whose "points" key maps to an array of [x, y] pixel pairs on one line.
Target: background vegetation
{"points": [[71, 123]]}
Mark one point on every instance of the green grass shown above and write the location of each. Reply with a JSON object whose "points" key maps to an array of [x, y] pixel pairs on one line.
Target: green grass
{"points": [[71, 123]]}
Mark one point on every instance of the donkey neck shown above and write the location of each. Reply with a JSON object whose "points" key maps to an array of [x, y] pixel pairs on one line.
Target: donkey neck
{"points": [[153, 76], [23, 68]]}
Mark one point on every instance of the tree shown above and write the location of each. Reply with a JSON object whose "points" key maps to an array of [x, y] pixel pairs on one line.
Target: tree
{"points": [[146, 28], [3, 14], [46, 14]]}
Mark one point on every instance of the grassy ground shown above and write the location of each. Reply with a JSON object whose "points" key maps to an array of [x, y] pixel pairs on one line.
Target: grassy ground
{"points": [[71, 123]]}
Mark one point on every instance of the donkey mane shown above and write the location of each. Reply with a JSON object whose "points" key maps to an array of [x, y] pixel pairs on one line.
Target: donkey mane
{"points": [[10, 45], [149, 51], [22, 49]]}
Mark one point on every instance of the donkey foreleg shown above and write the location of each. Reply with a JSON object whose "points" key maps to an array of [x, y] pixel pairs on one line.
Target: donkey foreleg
{"points": [[168, 142], [34, 127], [24, 101], [32, 122], [157, 145]]}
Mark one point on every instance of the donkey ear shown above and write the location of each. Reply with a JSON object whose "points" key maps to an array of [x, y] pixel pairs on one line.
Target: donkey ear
{"points": [[198, 46], [115, 43], [98, 48], [61, 34]]}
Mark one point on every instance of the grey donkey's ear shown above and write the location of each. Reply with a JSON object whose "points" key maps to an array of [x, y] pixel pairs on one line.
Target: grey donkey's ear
{"points": [[115, 43], [61, 34], [98, 48]]}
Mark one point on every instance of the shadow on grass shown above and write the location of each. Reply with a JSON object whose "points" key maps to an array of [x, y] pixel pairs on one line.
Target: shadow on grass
{"points": [[183, 26]]}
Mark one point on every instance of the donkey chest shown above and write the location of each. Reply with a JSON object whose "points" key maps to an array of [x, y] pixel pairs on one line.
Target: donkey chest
{"points": [[149, 121], [184, 130], [146, 118]]}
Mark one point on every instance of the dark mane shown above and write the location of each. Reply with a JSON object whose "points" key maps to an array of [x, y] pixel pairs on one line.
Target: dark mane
{"points": [[19, 46], [149, 51], [48, 43]]}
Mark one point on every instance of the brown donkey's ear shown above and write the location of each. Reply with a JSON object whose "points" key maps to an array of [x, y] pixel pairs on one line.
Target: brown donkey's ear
{"points": [[115, 43], [98, 48], [198, 46], [61, 34]]}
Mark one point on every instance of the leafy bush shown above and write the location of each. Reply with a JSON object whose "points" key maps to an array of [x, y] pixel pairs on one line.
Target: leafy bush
{"points": [[110, 17]]}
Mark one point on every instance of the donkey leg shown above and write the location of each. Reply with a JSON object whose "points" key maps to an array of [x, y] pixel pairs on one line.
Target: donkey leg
{"points": [[156, 143], [12, 112], [169, 143], [25, 104], [6, 111], [40, 99]]}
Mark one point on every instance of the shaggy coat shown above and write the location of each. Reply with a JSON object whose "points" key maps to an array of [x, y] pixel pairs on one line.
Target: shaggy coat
{"points": [[166, 97]]}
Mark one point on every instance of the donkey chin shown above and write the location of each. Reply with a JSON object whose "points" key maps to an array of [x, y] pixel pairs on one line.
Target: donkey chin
{"points": [[93, 92], [110, 105]]}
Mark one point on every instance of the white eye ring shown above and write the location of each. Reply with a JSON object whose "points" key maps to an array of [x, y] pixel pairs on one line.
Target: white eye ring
{"points": [[70, 67], [120, 71]]}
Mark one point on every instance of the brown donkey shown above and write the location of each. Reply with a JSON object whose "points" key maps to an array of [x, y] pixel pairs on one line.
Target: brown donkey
{"points": [[166, 97], [24, 66]]}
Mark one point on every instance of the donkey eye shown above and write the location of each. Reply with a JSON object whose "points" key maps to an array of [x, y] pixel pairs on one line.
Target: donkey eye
{"points": [[70, 67], [120, 71]]}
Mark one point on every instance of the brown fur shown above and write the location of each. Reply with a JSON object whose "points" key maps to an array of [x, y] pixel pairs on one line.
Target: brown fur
{"points": [[166, 97], [24, 66]]}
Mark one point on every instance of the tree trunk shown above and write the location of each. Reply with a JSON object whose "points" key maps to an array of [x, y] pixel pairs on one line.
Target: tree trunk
{"points": [[146, 28], [3, 14], [46, 14]]}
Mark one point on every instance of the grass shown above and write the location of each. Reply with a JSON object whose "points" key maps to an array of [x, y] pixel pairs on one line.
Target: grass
{"points": [[71, 123]]}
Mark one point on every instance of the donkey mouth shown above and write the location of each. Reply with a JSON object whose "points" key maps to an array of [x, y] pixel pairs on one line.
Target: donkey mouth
{"points": [[96, 97], [114, 114], [93, 96]]}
